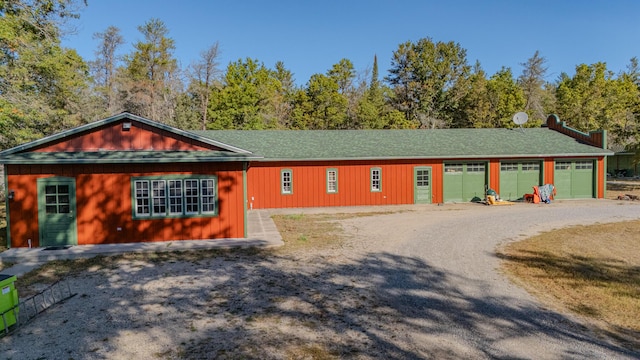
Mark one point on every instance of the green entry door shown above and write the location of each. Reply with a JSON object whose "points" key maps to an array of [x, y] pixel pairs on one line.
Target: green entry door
{"points": [[518, 178], [422, 185], [57, 211], [464, 181]]}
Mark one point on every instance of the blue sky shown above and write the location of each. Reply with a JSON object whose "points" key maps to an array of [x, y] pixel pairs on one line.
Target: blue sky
{"points": [[310, 36]]}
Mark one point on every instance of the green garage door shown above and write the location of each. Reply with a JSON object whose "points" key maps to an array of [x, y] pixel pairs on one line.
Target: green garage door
{"points": [[464, 181], [573, 179], [518, 178]]}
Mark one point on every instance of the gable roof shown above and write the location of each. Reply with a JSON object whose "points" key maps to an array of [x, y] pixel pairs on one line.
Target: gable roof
{"points": [[405, 144], [32, 153], [281, 145], [114, 119]]}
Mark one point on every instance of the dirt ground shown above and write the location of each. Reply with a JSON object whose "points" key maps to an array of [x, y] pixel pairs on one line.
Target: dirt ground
{"points": [[620, 187]]}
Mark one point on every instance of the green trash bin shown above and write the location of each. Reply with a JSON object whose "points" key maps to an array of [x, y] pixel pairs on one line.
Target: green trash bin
{"points": [[8, 301]]}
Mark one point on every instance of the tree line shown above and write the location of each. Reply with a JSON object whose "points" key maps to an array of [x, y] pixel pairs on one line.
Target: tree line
{"points": [[46, 88]]}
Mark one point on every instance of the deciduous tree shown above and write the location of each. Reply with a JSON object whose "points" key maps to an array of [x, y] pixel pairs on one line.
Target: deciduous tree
{"points": [[204, 74], [103, 68], [506, 99], [583, 98], [322, 106]]}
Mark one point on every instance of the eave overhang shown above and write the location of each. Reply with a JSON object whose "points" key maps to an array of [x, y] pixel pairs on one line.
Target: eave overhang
{"points": [[125, 157]]}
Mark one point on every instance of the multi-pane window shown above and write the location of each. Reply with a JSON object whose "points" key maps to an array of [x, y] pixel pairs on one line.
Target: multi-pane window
{"points": [[191, 196], [286, 182], [422, 178], [159, 191], [531, 166], [509, 166], [332, 181], [142, 198], [584, 165], [475, 167], [376, 179], [57, 199], [175, 197], [208, 191], [159, 197], [453, 168], [563, 165]]}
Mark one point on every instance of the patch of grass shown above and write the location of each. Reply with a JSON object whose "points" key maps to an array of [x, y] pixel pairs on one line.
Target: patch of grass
{"points": [[313, 231], [593, 271], [311, 351]]}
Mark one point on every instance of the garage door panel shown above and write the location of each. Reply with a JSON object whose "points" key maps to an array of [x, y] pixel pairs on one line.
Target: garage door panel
{"points": [[582, 180], [528, 177], [562, 179], [573, 179], [464, 182], [473, 186], [518, 178], [509, 180]]}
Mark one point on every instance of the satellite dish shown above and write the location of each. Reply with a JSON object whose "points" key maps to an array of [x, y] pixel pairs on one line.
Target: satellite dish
{"points": [[520, 118]]}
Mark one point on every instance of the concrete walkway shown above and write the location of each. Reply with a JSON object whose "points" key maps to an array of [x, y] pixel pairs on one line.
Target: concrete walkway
{"points": [[261, 229]]}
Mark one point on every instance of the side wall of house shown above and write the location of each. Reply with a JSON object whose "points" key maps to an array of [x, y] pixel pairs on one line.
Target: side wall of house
{"points": [[309, 187], [309, 182], [104, 203]]}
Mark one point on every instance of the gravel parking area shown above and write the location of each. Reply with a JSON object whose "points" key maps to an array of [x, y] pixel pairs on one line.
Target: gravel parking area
{"points": [[418, 283]]}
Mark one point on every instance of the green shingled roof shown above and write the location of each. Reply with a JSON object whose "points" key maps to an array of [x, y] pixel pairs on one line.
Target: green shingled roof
{"points": [[404, 144], [120, 157]]}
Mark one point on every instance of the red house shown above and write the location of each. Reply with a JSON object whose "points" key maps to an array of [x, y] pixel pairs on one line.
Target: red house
{"points": [[129, 179]]}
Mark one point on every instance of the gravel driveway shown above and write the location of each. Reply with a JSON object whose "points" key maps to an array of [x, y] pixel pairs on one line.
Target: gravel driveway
{"points": [[417, 283]]}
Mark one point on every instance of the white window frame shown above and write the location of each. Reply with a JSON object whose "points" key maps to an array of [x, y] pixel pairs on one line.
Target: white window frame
{"points": [[286, 181], [175, 193], [531, 166], [142, 198], [174, 196], [376, 179], [509, 166], [332, 181], [207, 196], [191, 196]]}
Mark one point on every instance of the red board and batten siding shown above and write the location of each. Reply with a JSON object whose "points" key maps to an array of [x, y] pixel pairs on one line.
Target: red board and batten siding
{"points": [[601, 176], [494, 174], [309, 182], [104, 204], [354, 183], [112, 137]]}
